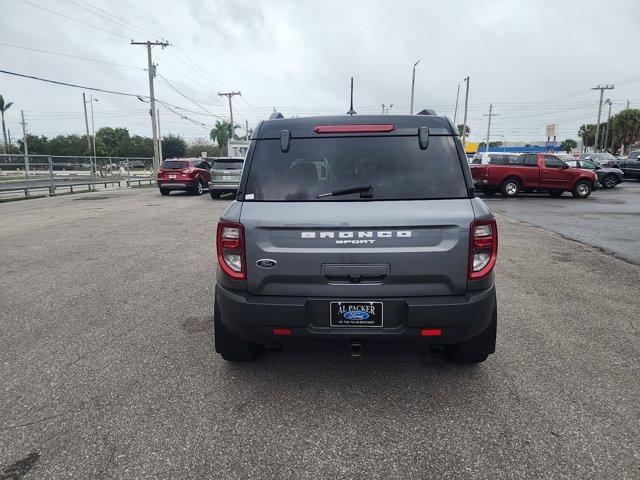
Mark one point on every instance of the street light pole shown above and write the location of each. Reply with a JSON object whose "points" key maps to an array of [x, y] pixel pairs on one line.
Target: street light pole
{"points": [[413, 85], [606, 131], [86, 120], [455, 112], [464, 123]]}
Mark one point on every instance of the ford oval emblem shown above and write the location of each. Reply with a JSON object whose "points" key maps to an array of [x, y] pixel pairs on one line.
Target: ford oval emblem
{"points": [[356, 315], [266, 263]]}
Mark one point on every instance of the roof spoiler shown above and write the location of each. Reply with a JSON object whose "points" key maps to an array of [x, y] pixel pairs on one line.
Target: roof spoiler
{"points": [[427, 111], [275, 116]]}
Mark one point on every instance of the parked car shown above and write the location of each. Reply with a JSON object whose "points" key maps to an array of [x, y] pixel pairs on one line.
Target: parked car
{"points": [[607, 176], [225, 175], [603, 159], [630, 166], [190, 174], [534, 172], [496, 158], [355, 228]]}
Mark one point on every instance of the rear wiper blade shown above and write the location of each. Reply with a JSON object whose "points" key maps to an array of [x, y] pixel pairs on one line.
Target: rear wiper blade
{"points": [[361, 189]]}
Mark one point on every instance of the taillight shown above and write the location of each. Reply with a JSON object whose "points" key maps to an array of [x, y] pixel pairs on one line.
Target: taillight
{"points": [[230, 246], [483, 248], [354, 128]]}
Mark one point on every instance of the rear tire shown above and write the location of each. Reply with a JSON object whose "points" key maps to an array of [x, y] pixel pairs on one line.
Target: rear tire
{"points": [[510, 188], [582, 189], [609, 181], [199, 188], [165, 191], [476, 349], [230, 347]]}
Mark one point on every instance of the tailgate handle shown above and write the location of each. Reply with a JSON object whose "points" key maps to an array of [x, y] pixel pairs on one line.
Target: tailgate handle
{"points": [[355, 273]]}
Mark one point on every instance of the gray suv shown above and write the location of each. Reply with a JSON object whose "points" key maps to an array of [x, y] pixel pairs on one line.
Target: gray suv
{"points": [[356, 228]]}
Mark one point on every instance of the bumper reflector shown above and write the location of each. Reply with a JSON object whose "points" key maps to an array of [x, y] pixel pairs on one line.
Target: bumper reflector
{"points": [[431, 332], [282, 331]]}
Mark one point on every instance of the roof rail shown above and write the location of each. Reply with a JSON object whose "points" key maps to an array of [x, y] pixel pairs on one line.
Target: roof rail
{"points": [[275, 116], [427, 111]]}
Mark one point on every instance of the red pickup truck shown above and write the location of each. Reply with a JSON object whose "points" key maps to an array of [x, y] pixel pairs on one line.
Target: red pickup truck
{"points": [[532, 172]]}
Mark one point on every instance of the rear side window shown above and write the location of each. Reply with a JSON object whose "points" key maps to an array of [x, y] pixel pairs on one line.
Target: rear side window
{"points": [[394, 167], [174, 164], [530, 161], [497, 160]]}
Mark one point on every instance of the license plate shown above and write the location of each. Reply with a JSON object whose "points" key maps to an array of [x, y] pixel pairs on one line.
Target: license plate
{"points": [[171, 176], [228, 178], [356, 314]]}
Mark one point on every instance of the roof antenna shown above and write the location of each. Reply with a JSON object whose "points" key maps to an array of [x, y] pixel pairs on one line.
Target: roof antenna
{"points": [[351, 110]]}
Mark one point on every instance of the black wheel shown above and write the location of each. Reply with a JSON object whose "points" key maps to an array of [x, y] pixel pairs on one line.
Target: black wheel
{"points": [[230, 347], [582, 189], [165, 191], [199, 188], [476, 349], [215, 194], [555, 193], [510, 188], [609, 181]]}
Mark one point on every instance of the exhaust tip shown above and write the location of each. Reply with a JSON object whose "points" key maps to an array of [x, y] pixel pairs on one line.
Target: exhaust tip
{"points": [[355, 348]]}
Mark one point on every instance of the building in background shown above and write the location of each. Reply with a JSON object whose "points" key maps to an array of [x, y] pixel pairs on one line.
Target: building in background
{"points": [[237, 148]]}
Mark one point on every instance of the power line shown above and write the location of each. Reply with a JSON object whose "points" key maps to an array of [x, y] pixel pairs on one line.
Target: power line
{"points": [[75, 19], [69, 56], [107, 18], [189, 98], [56, 82]]}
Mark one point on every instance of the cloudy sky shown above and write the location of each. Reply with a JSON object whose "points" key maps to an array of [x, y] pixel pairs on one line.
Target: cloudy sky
{"points": [[534, 60]]}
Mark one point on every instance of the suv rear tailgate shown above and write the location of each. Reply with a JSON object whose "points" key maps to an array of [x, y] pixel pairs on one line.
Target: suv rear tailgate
{"points": [[358, 249]]}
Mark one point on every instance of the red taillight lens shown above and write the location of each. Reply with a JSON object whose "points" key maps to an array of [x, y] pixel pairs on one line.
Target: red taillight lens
{"points": [[283, 332], [354, 128], [230, 246], [431, 332], [483, 248]]}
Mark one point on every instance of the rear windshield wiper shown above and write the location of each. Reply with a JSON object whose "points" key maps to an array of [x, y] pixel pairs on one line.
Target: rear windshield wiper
{"points": [[363, 190]]}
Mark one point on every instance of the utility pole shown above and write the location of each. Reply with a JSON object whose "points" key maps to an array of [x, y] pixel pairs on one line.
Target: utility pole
{"points": [[455, 112], [159, 135], [602, 89], [152, 109], [86, 120], [413, 85], [229, 95], [26, 153], [246, 129], [491, 114], [464, 123], [606, 131]]}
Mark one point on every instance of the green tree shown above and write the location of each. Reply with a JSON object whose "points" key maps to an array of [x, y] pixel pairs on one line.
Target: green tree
{"points": [[114, 140], [466, 128], [68, 145], [173, 146], [139, 147], [37, 145], [197, 149], [3, 108], [588, 134], [568, 145], [221, 133], [625, 128]]}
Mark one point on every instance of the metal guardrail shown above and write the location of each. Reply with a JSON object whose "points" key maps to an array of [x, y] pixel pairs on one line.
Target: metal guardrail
{"points": [[27, 173]]}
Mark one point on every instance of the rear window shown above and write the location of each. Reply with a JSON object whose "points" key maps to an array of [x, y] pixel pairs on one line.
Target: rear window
{"points": [[394, 167], [174, 164], [227, 164]]}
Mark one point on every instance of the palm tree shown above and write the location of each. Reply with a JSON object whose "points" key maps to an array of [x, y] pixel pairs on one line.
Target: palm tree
{"points": [[220, 133], [3, 108]]}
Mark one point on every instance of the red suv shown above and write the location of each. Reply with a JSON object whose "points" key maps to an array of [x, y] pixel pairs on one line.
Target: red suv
{"points": [[187, 174]]}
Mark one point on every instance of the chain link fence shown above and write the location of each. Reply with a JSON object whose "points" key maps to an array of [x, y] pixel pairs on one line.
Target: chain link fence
{"points": [[30, 175]]}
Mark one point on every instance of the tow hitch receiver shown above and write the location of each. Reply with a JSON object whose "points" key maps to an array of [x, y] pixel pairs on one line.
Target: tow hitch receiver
{"points": [[355, 348]]}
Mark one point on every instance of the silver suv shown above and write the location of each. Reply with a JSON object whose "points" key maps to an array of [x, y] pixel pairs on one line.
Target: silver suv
{"points": [[356, 228], [224, 175]]}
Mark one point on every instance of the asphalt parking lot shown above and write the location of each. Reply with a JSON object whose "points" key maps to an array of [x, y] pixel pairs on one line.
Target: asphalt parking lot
{"points": [[608, 219], [108, 367]]}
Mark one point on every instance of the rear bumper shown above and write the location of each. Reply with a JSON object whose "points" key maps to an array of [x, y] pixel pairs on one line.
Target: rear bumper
{"points": [[173, 185], [253, 318], [223, 186]]}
